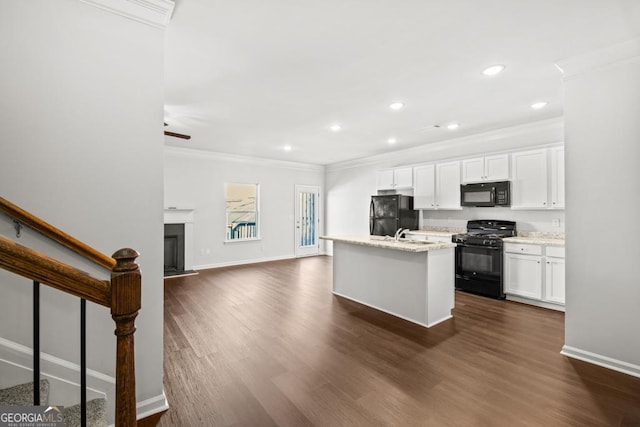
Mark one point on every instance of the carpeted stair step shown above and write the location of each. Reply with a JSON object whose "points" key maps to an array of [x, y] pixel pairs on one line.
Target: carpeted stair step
{"points": [[22, 394], [96, 414]]}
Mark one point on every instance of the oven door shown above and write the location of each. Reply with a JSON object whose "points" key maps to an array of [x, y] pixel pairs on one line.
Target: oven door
{"points": [[479, 270], [479, 262], [477, 195]]}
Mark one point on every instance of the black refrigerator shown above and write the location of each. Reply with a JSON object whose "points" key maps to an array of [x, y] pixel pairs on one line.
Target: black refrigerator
{"points": [[388, 213]]}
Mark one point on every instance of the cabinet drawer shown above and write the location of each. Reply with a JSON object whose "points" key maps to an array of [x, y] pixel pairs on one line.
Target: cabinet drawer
{"points": [[555, 251], [519, 248]]}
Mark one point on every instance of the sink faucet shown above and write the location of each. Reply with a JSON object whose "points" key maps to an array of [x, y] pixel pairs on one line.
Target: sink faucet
{"points": [[399, 233]]}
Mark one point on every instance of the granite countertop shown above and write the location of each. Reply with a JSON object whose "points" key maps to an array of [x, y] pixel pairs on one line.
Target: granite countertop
{"points": [[405, 245], [537, 238], [438, 231]]}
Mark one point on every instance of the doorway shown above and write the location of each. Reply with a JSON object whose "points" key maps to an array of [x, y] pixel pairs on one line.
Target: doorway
{"points": [[307, 220]]}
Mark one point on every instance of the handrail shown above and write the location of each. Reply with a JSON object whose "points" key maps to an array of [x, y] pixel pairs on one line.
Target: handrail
{"points": [[122, 293], [36, 266], [56, 234]]}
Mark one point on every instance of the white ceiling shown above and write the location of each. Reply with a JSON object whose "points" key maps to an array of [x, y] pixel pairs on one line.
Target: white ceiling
{"points": [[251, 76]]}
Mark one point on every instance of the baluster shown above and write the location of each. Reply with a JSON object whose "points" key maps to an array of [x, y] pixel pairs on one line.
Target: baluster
{"points": [[83, 362], [36, 343]]}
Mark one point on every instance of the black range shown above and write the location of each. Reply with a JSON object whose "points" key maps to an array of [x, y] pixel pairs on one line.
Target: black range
{"points": [[479, 256]]}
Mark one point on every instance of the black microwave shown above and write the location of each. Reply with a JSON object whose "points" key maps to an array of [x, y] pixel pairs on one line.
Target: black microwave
{"points": [[486, 194]]}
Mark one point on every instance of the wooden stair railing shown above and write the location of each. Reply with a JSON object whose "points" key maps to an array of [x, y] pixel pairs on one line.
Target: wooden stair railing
{"points": [[55, 234], [122, 293]]}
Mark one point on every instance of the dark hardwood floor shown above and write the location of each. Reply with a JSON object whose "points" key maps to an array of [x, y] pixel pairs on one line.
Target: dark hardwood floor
{"points": [[268, 344]]}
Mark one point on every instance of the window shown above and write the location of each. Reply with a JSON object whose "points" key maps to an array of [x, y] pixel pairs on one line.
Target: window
{"points": [[242, 211]]}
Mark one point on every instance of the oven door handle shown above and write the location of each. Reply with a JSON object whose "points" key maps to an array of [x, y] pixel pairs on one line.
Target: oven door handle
{"points": [[491, 248]]}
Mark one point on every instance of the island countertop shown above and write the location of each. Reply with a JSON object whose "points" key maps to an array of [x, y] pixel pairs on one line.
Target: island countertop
{"points": [[406, 245]]}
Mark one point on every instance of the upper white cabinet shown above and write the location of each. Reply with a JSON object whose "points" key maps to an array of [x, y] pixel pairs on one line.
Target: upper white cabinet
{"points": [[556, 177], [529, 184], [392, 179], [538, 179], [487, 168], [437, 186]]}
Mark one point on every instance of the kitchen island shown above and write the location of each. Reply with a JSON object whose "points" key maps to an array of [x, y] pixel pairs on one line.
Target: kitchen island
{"points": [[413, 280]]}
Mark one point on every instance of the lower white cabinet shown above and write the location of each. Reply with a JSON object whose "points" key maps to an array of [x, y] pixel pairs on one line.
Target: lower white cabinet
{"points": [[535, 274], [554, 280], [523, 275]]}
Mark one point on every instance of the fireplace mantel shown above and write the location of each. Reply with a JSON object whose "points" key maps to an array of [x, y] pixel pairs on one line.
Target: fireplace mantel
{"points": [[178, 216]]}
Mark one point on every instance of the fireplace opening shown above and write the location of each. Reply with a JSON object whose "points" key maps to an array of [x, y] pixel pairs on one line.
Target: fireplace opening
{"points": [[173, 249]]}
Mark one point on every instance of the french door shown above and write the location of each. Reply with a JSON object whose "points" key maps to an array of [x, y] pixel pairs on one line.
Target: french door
{"points": [[307, 220]]}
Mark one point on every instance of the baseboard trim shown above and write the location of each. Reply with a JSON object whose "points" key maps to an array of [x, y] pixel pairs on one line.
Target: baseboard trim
{"points": [[21, 357], [242, 262], [600, 360], [152, 406]]}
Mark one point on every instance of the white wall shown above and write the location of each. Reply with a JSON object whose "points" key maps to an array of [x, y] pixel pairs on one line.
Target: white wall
{"points": [[351, 184], [195, 180], [81, 135], [602, 107]]}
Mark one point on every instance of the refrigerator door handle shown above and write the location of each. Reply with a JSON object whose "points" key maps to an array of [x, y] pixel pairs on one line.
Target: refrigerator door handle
{"points": [[371, 209], [371, 226]]}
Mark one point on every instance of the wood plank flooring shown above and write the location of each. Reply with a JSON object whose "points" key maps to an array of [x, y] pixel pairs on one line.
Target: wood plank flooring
{"points": [[269, 345]]}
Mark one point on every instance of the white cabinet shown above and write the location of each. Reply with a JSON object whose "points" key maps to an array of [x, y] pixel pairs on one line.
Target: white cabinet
{"points": [[424, 191], [391, 179], [538, 179], [554, 280], [437, 186], [535, 273], [487, 168], [523, 275], [529, 183], [556, 177]]}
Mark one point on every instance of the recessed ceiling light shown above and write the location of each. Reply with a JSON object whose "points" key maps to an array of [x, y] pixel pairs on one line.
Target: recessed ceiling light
{"points": [[453, 126], [539, 105], [392, 140], [493, 70], [396, 106], [287, 148], [336, 127]]}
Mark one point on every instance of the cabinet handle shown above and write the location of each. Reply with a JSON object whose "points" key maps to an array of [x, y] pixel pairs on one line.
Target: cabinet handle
{"points": [[554, 203], [548, 262], [538, 262], [544, 203]]}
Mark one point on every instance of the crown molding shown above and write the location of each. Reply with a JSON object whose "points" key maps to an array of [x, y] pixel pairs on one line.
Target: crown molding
{"points": [[258, 161], [553, 126], [155, 13], [627, 51]]}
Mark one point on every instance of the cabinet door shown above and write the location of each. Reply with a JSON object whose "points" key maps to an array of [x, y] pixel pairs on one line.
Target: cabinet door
{"points": [[403, 177], [529, 183], [523, 275], [554, 280], [424, 196], [473, 170], [448, 185], [556, 177], [496, 168], [384, 179]]}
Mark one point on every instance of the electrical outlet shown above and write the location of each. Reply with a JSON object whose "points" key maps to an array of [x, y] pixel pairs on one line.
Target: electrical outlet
{"points": [[208, 251], [555, 222]]}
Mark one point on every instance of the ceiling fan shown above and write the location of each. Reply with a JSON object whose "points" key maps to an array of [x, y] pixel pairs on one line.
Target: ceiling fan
{"points": [[175, 134]]}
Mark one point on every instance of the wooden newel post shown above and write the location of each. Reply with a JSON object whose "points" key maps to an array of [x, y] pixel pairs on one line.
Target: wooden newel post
{"points": [[126, 286]]}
